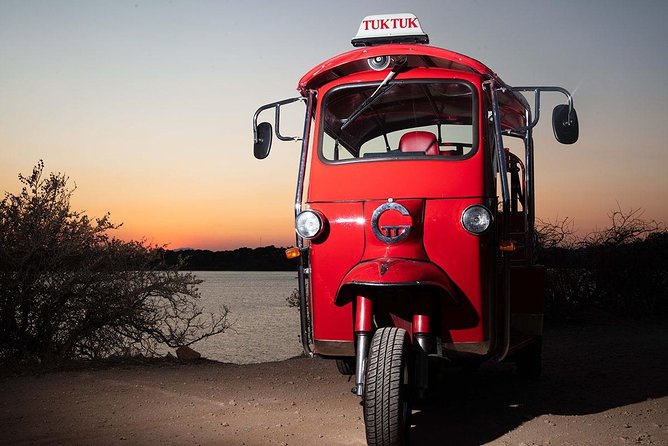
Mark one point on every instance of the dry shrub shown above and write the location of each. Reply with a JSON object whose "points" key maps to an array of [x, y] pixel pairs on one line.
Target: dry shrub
{"points": [[68, 290], [622, 268]]}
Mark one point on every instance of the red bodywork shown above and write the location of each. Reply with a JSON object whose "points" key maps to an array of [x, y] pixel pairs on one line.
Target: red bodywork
{"points": [[441, 276], [415, 221]]}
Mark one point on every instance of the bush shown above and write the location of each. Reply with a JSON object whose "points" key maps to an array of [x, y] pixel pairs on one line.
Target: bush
{"points": [[293, 300], [68, 290], [622, 268], [632, 277]]}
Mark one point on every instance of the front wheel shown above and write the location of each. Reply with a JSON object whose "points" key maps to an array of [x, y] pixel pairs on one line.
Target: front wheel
{"points": [[386, 393]]}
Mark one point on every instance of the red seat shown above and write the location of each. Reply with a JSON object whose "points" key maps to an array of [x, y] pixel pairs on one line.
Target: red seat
{"points": [[419, 141]]}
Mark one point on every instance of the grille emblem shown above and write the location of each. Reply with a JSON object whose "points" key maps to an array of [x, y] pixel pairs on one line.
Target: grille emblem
{"points": [[397, 222]]}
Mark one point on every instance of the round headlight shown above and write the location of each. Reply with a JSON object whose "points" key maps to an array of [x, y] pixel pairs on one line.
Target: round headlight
{"points": [[476, 219], [309, 224]]}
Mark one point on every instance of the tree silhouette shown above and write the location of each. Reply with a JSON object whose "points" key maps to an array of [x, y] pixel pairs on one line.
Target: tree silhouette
{"points": [[70, 290], [621, 268]]}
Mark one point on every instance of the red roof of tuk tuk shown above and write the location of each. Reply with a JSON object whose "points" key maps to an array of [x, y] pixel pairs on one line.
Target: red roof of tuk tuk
{"points": [[418, 55]]}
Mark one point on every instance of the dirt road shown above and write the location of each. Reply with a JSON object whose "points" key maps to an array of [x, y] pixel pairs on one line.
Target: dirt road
{"points": [[602, 385]]}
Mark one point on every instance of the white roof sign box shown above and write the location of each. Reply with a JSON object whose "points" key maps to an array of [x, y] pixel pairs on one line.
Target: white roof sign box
{"points": [[389, 28]]}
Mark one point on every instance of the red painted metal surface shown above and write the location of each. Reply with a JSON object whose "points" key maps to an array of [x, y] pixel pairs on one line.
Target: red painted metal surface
{"points": [[355, 60], [339, 248], [350, 256], [364, 315], [409, 248], [388, 271], [439, 275], [468, 260], [421, 323]]}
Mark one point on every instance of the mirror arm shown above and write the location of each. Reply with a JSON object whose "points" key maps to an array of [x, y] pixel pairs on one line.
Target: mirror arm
{"points": [[255, 116], [277, 113], [536, 91]]}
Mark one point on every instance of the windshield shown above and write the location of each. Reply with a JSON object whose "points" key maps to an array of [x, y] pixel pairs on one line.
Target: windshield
{"points": [[410, 119]]}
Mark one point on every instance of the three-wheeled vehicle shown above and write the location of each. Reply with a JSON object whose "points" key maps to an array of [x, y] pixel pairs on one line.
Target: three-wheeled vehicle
{"points": [[415, 222]]}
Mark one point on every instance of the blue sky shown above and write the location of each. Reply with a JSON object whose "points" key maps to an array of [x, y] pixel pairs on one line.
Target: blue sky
{"points": [[147, 105]]}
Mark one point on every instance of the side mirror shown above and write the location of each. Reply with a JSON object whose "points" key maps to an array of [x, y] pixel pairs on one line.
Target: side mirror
{"points": [[565, 125], [262, 143], [262, 132]]}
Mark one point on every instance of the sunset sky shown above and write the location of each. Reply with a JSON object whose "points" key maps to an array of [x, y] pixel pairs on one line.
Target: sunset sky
{"points": [[147, 105]]}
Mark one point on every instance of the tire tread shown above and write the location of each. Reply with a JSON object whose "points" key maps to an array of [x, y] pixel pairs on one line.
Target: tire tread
{"points": [[383, 391]]}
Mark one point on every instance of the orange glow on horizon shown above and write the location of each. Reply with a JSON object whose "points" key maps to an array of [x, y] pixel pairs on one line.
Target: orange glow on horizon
{"points": [[150, 116]]}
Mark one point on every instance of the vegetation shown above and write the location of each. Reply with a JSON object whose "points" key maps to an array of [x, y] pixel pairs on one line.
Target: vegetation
{"points": [[267, 258], [622, 269], [293, 299], [69, 290]]}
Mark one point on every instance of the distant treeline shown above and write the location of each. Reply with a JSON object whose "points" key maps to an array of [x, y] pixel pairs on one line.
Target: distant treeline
{"points": [[267, 258]]}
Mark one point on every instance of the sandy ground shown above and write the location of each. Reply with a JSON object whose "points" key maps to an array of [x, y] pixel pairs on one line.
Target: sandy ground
{"points": [[602, 385]]}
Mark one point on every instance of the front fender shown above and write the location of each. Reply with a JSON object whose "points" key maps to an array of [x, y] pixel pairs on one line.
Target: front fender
{"points": [[392, 272]]}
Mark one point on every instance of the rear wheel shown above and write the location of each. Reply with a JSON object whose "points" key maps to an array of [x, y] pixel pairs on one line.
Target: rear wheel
{"points": [[386, 393], [346, 366]]}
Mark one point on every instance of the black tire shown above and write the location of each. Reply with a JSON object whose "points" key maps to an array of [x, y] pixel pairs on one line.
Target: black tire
{"points": [[529, 362], [346, 366], [386, 394]]}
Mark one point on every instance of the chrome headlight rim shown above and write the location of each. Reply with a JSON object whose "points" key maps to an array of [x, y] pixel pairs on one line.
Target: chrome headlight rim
{"points": [[467, 224], [309, 224]]}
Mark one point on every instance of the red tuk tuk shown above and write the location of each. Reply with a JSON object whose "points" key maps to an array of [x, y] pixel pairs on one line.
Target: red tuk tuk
{"points": [[415, 223]]}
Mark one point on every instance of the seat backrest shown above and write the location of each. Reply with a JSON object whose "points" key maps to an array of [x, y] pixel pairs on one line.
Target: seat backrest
{"points": [[419, 141]]}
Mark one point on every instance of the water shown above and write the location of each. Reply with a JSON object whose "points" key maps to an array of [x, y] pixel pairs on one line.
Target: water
{"points": [[263, 328]]}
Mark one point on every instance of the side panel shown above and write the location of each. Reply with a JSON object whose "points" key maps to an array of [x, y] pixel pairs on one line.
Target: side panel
{"points": [[340, 248], [465, 258]]}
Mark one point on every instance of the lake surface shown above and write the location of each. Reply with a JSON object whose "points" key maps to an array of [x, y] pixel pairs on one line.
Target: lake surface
{"points": [[263, 328]]}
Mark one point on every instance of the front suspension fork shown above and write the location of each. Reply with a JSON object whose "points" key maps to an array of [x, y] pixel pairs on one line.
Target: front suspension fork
{"points": [[363, 334], [423, 339]]}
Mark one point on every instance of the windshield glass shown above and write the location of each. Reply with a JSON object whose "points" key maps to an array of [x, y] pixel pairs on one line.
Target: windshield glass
{"points": [[411, 119]]}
